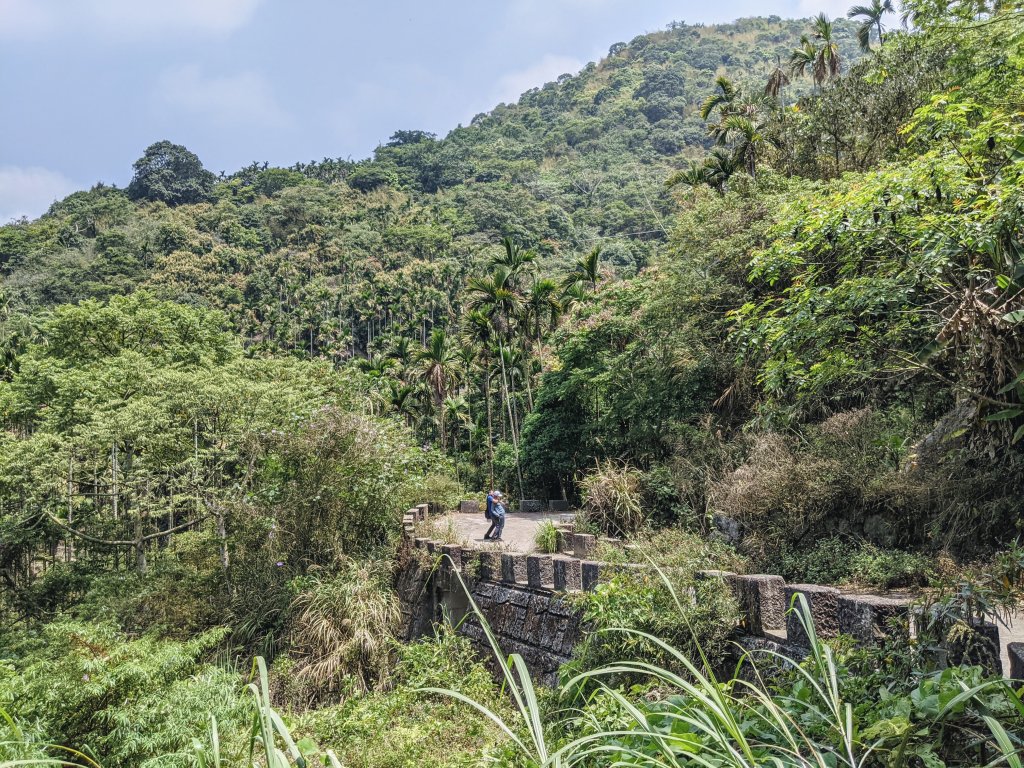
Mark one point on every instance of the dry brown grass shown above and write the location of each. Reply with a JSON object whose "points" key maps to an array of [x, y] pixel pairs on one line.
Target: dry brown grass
{"points": [[612, 499], [342, 633]]}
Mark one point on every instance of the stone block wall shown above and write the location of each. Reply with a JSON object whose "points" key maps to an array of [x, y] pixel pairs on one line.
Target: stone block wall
{"points": [[516, 594], [524, 599]]}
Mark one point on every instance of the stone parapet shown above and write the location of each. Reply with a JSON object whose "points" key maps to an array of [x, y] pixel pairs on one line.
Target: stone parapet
{"points": [[583, 544], [1016, 653], [823, 605], [591, 574], [525, 602], [540, 571], [762, 602], [871, 618], [567, 574], [513, 568]]}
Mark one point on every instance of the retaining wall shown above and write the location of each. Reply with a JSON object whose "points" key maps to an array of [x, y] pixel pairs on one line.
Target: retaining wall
{"points": [[527, 601]]}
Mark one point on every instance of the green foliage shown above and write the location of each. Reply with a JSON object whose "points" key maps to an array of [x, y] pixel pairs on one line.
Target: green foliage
{"points": [[183, 484], [626, 382], [170, 174], [809, 339], [666, 602], [547, 537], [836, 560], [831, 709], [128, 702], [367, 178], [417, 724]]}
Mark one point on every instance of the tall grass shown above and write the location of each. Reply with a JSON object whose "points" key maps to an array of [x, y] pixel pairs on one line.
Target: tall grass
{"points": [[612, 499], [342, 631], [547, 537], [269, 743], [738, 723]]}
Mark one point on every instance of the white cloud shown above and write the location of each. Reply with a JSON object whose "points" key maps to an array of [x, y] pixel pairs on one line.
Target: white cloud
{"points": [[29, 191], [35, 19], [550, 66], [245, 97]]}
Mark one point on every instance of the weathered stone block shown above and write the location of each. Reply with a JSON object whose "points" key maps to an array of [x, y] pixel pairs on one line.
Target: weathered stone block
{"points": [[490, 566], [1016, 654], [762, 602], [519, 597], [513, 568], [870, 618], [454, 552], [591, 574], [422, 512], [540, 571], [823, 603], [558, 505], [469, 559], [568, 574], [531, 505], [469, 507], [980, 647], [584, 545], [420, 542], [433, 547]]}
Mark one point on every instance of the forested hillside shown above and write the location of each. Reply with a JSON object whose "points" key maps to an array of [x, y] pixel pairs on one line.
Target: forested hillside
{"points": [[747, 295]]}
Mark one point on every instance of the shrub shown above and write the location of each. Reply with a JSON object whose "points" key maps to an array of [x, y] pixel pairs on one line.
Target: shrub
{"points": [[337, 484], [441, 490], [837, 560], [342, 630], [690, 616], [842, 476], [547, 537], [612, 499], [132, 702], [403, 727]]}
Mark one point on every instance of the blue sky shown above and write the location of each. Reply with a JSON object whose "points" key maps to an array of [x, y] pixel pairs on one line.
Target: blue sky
{"points": [[87, 85]]}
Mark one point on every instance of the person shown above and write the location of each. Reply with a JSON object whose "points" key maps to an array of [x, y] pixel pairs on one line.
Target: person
{"points": [[498, 514], [488, 512]]}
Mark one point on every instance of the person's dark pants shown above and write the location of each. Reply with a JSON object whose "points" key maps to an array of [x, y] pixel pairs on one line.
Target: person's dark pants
{"points": [[494, 524], [497, 525]]}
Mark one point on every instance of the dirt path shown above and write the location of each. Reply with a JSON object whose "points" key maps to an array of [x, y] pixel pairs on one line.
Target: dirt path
{"points": [[520, 529]]}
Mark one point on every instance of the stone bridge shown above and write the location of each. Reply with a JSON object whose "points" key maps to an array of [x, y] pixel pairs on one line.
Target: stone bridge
{"points": [[530, 604]]}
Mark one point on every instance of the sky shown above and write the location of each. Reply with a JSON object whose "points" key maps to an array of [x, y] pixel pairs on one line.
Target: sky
{"points": [[87, 85]]}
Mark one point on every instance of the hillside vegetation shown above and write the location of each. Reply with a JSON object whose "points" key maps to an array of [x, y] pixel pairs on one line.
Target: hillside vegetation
{"points": [[750, 294]]}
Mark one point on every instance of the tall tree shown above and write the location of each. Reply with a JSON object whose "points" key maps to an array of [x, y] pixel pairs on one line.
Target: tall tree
{"points": [[439, 369], [870, 19], [171, 174], [828, 63], [801, 59], [722, 98], [777, 81]]}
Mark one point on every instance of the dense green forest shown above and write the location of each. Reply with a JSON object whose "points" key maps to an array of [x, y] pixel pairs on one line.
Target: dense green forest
{"points": [[750, 294]]}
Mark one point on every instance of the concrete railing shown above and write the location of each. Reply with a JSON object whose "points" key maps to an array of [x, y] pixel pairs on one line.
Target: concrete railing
{"points": [[763, 599]]}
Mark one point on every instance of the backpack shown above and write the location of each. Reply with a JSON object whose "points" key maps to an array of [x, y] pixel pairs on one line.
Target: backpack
{"points": [[487, 509]]}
